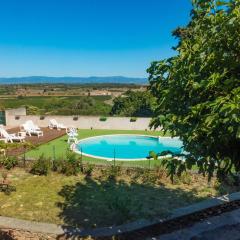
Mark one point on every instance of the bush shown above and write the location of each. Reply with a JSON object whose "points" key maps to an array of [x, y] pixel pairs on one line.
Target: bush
{"points": [[58, 165], [112, 172], [123, 206], [71, 166], [8, 162], [20, 97], [133, 119], [138, 172], [149, 177], [75, 118], [42, 166], [103, 119], [32, 110], [185, 178], [88, 170], [160, 172]]}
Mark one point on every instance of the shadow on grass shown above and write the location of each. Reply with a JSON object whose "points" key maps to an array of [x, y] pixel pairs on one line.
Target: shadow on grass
{"points": [[99, 203]]}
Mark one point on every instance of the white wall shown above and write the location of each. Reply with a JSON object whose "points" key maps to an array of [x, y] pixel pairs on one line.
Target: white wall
{"points": [[9, 113], [83, 122]]}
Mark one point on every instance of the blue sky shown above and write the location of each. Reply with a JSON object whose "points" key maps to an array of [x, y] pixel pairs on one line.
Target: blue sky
{"points": [[87, 37]]}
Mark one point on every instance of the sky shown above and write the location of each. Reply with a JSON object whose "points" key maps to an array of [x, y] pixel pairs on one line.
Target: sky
{"points": [[87, 37]]}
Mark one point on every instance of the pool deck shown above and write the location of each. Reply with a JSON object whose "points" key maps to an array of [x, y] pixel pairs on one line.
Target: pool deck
{"points": [[48, 135]]}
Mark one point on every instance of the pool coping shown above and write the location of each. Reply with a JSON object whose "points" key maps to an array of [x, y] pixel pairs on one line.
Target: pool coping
{"points": [[49, 228], [74, 148]]}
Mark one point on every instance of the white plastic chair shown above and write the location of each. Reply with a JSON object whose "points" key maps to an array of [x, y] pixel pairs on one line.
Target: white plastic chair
{"points": [[72, 135]]}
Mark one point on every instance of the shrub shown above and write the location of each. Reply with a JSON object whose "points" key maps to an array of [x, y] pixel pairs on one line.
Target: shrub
{"points": [[185, 178], [71, 166], [7, 189], [8, 162], [42, 166], [138, 172], [149, 177], [123, 206], [133, 119], [75, 118], [160, 172], [58, 165], [4, 175], [20, 97], [152, 155], [112, 172], [32, 110], [88, 169], [103, 119]]}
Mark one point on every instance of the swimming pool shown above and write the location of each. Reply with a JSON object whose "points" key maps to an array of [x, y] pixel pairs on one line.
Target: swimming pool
{"points": [[126, 146]]}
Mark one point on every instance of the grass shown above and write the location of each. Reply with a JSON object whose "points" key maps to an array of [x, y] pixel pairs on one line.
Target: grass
{"points": [[57, 148], [97, 201]]}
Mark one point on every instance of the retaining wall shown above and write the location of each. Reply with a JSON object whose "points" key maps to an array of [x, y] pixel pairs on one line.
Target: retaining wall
{"points": [[16, 118]]}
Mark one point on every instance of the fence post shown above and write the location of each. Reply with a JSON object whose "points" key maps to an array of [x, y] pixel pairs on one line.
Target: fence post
{"points": [[114, 155], [24, 157], [81, 159], [54, 153]]}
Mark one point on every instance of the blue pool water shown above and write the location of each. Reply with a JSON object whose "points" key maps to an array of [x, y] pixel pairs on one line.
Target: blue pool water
{"points": [[127, 146]]}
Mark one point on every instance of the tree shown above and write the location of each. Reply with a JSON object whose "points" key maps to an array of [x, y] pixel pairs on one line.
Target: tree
{"points": [[134, 104], [198, 90]]}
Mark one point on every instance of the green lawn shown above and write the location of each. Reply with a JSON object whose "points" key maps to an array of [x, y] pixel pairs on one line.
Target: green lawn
{"points": [[59, 147], [97, 201]]}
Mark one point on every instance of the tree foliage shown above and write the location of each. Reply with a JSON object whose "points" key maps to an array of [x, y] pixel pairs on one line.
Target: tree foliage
{"points": [[198, 90], [134, 104]]}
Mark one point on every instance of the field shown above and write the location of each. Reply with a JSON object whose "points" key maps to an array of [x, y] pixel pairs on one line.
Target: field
{"points": [[62, 99], [60, 105]]}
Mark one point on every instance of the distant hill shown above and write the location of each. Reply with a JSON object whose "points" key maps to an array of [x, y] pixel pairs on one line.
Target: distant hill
{"points": [[72, 80]]}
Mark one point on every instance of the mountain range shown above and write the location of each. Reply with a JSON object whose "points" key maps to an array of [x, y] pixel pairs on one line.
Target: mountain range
{"points": [[72, 80]]}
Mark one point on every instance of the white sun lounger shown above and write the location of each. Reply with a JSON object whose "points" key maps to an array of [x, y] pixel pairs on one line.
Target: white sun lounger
{"points": [[11, 137], [31, 131], [31, 125], [54, 124]]}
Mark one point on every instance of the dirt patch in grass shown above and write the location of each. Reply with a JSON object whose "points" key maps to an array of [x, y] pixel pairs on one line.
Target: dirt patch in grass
{"points": [[99, 201]]}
